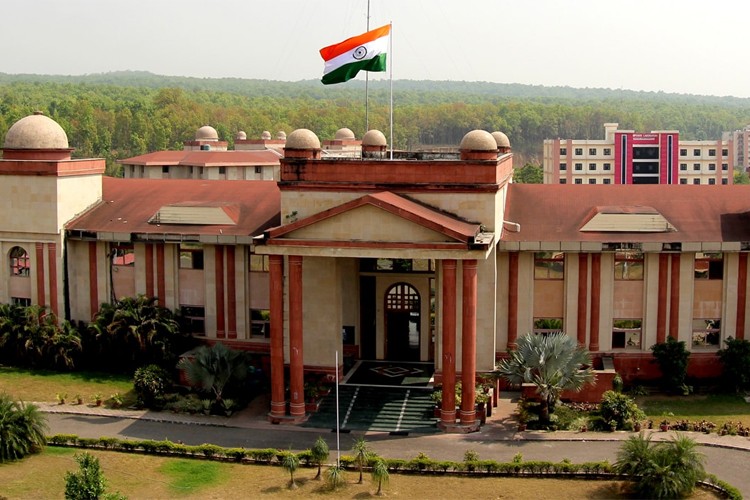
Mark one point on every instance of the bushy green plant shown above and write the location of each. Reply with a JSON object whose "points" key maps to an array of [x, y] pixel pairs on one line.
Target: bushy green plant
{"points": [[151, 384], [380, 475], [672, 357], [362, 454], [334, 477], [22, 429], [668, 469], [213, 369], [290, 463], [88, 482], [620, 409], [735, 361], [319, 453]]}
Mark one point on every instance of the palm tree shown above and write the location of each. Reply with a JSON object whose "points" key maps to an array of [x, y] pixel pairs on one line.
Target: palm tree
{"points": [[554, 363], [319, 454], [22, 429], [290, 463], [662, 470], [212, 368], [380, 474], [335, 476], [362, 454], [12, 320]]}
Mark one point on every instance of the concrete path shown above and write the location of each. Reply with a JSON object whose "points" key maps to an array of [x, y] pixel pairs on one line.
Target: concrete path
{"points": [[726, 456]]}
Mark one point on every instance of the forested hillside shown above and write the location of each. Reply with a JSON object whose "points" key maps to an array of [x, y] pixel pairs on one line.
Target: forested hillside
{"points": [[116, 115]]}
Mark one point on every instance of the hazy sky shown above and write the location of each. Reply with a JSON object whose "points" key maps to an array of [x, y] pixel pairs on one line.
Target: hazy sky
{"points": [[684, 46]]}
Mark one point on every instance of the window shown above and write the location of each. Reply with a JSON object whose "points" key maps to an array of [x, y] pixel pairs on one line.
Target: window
{"points": [[605, 181], [724, 152], [579, 151], [193, 319], [258, 262], [545, 326], [123, 254], [549, 265], [562, 181], [607, 166], [578, 181], [260, 323], [706, 332], [191, 256], [628, 265], [563, 166], [626, 334], [20, 263], [592, 151], [607, 151], [683, 166], [696, 181], [725, 166], [592, 181], [165, 169], [222, 170], [258, 170], [696, 166], [724, 181], [683, 181], [709, 266], [711, 181], [683, 152], [696, 152], [20, 301], [579, 166], [563, 151], [712, 166], [711, 152], [592, 166]]}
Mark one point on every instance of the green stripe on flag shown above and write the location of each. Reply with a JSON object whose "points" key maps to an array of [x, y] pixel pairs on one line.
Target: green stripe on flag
{"points": [[349, 71]]}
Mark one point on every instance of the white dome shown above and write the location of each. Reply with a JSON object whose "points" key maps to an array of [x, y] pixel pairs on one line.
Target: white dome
{"points": [[36, 132]]}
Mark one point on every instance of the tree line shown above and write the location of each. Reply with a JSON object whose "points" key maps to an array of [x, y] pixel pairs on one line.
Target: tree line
{"points": [[119, 115]]}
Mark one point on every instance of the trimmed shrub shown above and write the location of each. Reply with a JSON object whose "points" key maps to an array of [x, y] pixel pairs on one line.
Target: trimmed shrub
{"points": [[151, 384], [620, 409]]}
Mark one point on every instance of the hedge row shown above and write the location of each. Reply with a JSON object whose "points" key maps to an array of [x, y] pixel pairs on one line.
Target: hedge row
{"points": [[420, 464]]}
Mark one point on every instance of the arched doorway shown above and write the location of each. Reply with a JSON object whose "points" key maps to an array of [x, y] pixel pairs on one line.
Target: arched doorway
{"points": [[402, 323]]}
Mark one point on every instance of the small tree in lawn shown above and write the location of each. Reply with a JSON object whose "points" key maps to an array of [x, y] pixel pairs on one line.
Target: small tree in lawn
{"points": [[335, 476], [362, 454], [22, 429], [672, 358], [290, 463], [319, 454], [88, 483], [554, 363], [380, 474]]}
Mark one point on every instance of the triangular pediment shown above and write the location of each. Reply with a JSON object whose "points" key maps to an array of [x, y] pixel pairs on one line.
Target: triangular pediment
{"points": [[382, 218]]}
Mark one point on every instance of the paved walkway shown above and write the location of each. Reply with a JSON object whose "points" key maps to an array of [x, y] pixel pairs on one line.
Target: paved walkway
{"points": [[726, 455]]}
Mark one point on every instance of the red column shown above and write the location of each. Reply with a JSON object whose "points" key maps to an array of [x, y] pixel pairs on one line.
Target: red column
{"points": [[296, 360], [93, 281], [674, 303], [276, 296], [52, 257], [468, 341], [40, 274], [512, 299], [583, 272], [231, 295], [219, 276], [161, 276], [150, 270], [596, 285], [661, 308], [448, 410], [741, 296]]}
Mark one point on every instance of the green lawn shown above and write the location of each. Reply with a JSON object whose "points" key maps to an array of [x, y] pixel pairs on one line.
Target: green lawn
{"points": [[716, 408], [45, 385]]}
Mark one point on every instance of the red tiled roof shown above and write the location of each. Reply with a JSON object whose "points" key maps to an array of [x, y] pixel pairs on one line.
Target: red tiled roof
{"points": [[128, 204], [556, 212], [204, 158]]}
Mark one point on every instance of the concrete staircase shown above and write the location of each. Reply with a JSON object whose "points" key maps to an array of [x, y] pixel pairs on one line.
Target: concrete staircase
{"points": [[400, 411]]}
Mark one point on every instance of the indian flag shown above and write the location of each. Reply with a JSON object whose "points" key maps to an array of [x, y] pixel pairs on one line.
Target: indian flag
{"points": [[362, 52]]}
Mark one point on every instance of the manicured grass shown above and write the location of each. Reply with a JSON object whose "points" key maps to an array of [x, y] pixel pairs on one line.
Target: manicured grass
{"points": [[142, 476], [45, 385], [716, 408]]}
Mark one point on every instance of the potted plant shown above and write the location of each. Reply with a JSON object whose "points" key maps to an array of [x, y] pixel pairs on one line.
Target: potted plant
{"points": [[97, 399], [61, 398], [115, 400], [79, 399], [637, 426], [664, 425], [481, 399]]}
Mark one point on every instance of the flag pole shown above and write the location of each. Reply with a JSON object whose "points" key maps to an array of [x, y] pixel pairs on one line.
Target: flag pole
{"points": [[367, 81], [390, 50]]}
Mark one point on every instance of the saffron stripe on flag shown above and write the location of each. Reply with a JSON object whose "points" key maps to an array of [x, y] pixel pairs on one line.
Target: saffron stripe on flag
{"points": [[352, 43]]}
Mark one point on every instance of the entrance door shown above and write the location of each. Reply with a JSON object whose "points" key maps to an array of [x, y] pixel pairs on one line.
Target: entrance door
{"points": [[402, 323]]}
